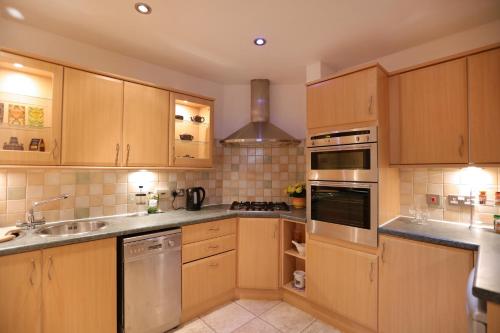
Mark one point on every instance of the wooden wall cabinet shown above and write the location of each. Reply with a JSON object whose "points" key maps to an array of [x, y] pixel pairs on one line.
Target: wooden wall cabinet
{"points": [[422, 287], [429, 115], [209, 266], [62, 289], [30, 109], [92, 119], [145, 125], [191, 131], [484, 106], [258, 253], [343, 281], [21, 290], [347, 99]]}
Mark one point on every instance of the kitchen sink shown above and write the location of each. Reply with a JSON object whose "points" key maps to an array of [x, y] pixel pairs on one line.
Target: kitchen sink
{"points": [[72, 228]]}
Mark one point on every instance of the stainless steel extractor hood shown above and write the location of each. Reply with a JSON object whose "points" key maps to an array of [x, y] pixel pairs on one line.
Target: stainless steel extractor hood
{"points": [[260, 131]]}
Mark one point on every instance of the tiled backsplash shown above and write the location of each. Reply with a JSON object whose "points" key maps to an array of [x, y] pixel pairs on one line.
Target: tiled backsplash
{"points": [[261, 173], [417, 182], [93, 192]]}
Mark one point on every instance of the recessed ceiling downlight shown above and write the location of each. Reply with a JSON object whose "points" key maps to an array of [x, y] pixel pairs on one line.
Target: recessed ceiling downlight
{"points": [[143, 8], [259, 41], [15, 13]]}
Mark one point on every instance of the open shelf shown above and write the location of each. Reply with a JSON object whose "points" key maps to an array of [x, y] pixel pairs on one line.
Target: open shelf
{"points": [[190, 122], [289, 286], [294, 253], [291, 260], [191, 142]]}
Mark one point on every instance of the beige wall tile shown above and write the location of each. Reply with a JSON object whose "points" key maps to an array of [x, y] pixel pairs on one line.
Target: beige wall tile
{"points": [[16, 179]]}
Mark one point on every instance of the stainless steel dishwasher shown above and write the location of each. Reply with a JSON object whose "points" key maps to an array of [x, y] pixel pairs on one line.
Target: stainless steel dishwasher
{"points": [[151, 282]]}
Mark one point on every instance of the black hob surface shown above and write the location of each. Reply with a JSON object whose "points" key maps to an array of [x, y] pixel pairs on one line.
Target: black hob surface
{"points": [[259, 206]]}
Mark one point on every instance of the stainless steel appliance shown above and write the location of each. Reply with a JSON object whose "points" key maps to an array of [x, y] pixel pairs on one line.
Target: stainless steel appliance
{"points": [[194, 198], [259, 206], [342, 200], [349, 155], [151, 282], [343, 210]]}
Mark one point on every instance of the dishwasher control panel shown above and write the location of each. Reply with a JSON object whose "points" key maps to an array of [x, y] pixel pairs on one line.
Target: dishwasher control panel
{"points": [[154, 243]]}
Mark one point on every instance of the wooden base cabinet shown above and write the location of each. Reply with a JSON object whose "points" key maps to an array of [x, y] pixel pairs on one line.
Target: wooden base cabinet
{"points": [[422, 287], [258, 253], [206, 280], [21, 292], [58, 290], [343, 281]]}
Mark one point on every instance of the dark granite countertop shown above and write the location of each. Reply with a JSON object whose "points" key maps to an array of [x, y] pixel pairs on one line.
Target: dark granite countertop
{"points": [[485, 241], [127, 225]]}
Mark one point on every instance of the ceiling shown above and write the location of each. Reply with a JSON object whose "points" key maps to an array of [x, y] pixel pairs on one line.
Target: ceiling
{"points": [[214, 39]]}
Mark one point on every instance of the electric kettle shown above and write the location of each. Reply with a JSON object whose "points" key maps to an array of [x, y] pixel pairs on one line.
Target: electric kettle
{"points": [[194, 198]]}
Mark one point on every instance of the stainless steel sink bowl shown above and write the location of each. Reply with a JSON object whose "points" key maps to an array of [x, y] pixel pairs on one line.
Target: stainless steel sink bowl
{"points": [[72, 228]]}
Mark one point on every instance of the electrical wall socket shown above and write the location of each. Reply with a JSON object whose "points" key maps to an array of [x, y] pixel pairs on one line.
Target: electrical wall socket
{"points": [[460, 200], [180, 192], [434, 200]]}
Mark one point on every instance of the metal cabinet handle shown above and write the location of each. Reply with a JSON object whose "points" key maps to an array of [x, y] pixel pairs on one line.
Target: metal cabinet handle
{"points": [[117, 153], [461, 146], [213, 264], [370, 103], [213, 229], [53, 151], [275, 231], [33, 269], [382, 259], [128, 153], [372, 266], [213, 246], [51, 264]]}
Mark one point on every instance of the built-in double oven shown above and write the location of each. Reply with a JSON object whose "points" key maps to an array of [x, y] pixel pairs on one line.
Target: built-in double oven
{"points": [[342, 185]]}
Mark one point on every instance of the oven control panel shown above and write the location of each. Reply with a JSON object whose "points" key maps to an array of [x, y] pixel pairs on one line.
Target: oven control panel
{"points": [[352, 136]]}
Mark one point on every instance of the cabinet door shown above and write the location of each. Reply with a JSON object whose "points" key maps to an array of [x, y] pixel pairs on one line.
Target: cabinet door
{"points": [[30, 111], [484, 106], [258, 248], [324, 102], [205, 281], [191, 131], [343, 281], [360, 98], [92, 119], [422, 287], [431, 114], [79, 288], [145, 125], [21, 293]]}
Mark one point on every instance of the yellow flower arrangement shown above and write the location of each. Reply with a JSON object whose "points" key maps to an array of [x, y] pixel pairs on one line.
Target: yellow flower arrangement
{"points": [[296, 191]]}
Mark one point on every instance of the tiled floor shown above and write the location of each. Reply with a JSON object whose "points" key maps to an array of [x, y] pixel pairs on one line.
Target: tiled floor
{"points": [[256, 316]]}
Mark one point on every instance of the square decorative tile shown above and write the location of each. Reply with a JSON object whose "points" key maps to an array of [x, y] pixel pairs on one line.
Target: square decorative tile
{"points": [[257, 325], [218, 320], [257, 306], [194, 326], [320, 327], [287, 318]]}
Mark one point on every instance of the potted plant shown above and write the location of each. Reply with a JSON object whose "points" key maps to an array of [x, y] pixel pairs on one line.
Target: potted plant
{"points": [[298, 194]]}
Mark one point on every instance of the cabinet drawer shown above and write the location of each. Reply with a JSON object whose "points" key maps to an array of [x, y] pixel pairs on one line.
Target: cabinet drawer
{"points": [[208, 278], [208, 230], [207, 248]]}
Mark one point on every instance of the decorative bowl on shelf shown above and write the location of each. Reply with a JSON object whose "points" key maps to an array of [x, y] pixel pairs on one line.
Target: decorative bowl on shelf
{"points": [[179, 117], [186, 137], [198, 119]]}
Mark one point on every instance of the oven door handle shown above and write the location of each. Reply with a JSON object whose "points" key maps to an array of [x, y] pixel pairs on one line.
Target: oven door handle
{"points": [[342, 147], [341, 184]]}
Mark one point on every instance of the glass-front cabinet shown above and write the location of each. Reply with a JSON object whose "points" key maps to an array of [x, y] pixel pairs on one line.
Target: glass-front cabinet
{"points": [[191, 132], [30, 111]]}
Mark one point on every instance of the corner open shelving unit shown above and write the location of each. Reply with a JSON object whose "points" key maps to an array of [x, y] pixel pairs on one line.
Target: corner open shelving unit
{"points": [[291, 260]]}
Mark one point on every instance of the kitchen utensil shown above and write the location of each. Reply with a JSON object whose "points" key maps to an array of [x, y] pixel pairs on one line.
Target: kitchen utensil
{"points": [[194, 198], [186, 137]]}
